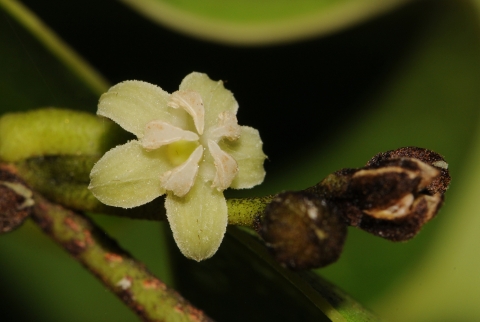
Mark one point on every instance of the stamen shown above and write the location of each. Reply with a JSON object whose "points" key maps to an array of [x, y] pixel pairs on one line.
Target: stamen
{"points": [[227, 127], [158, 133], [180, 180], [226, 166], [192, 103]]}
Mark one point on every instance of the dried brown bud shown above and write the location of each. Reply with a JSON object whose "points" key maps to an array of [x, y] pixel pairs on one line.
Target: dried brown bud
{"points": [[393, 196], [301, 232], [439, 184], [15, 201]]}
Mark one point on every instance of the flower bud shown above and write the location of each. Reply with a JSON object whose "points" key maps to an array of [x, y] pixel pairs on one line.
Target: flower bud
{"points": [[301, 231], [438, 184], [393, 196]]}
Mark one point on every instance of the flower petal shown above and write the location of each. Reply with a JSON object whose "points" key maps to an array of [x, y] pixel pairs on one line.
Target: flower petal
{"points": [[216, 98], [225, 165], [248, 153], [133, 104], [198, 220], [158, 133], [180, 179], [128, 176], [192, 103]]}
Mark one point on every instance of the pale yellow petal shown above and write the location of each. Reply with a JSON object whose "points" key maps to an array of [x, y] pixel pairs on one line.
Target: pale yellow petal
{"points": [[128, 176], [198, 220], [159, 133], [133, 104], [180, 179], [192, 103], [216, 99], [226, 167], [248, 153]]}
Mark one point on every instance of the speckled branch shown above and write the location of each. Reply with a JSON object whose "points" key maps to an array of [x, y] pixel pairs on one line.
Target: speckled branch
{"points": [[144, 293]]}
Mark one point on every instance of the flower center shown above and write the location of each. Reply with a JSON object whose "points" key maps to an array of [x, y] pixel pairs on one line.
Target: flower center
{"points": [[178, 152], [185, 149]]}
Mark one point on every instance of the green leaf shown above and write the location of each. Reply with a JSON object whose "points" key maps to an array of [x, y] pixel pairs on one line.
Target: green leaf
{"points": [[260, 22], [430, 99], [450, 266], [243, 278], [38, 69]]}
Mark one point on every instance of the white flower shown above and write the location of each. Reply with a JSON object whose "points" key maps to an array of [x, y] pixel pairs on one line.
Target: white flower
{"points": [[189, 146]]}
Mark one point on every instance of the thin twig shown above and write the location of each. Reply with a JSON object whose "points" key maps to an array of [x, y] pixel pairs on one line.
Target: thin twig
{"points": [[128, 278]]}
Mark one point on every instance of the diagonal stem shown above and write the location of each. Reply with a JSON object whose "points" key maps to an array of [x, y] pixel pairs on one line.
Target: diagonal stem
{"points": [[128, 278]]}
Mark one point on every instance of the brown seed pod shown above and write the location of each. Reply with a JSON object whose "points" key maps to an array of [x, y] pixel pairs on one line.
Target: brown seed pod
{"points": [[301, 232]]}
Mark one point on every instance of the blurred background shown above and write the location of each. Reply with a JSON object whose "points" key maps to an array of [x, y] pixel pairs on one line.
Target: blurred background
{"points": [[328, 84]]}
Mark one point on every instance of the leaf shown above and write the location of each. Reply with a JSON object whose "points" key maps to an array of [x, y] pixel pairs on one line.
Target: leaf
{"points": [[430, 99], [42, 72], [243, 282], [92, 81], [251, 22], [451, 266]]}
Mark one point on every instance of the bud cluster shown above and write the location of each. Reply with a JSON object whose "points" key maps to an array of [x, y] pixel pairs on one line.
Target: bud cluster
{"points": [[392, 197]]}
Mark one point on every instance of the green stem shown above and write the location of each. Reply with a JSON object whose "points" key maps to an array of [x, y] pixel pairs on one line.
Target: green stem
{"points": [[128, 278], [247, 212]]}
